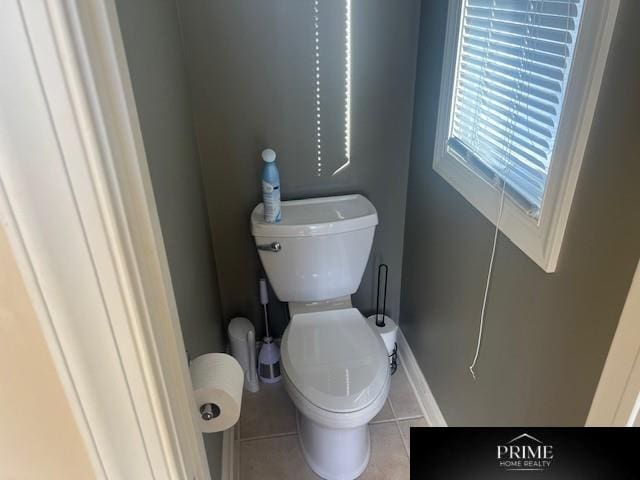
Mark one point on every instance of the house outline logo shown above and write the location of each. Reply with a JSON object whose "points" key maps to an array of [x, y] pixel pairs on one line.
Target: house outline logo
{"points": [[524, 435], [524, 453]]}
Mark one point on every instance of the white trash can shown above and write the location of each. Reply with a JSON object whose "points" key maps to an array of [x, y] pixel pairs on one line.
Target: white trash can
{"points": [[242, 337]]}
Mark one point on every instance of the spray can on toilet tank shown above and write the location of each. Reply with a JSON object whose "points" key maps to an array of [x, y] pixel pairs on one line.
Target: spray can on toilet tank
{"points": [[271, 187]]}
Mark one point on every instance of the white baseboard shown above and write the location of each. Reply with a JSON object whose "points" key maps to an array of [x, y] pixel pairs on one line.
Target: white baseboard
{"points": [[227, 469], [427, 401]]}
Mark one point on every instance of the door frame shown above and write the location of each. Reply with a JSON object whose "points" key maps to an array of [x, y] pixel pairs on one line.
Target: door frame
{"points": [[617, 398], [77, 204]]}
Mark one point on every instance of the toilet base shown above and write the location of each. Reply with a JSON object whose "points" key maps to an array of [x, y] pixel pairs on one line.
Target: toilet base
{"points": [[334, 453]]}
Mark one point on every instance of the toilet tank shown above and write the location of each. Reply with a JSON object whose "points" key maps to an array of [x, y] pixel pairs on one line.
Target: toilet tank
{"points": [[319, 249]]}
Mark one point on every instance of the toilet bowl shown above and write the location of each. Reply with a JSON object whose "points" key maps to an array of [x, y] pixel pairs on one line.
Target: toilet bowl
{"points": [[337, 375], [334, 365]]}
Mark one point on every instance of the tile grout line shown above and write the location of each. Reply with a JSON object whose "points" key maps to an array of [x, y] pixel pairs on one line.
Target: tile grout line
{"points": [[404, 443], [393, 410], [412, 417], [386, 420], [265, 437], [397, 422]]}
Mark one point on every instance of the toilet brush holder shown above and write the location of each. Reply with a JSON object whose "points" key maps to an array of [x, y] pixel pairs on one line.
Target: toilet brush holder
{"points": [[269, 357], [269, 361]]}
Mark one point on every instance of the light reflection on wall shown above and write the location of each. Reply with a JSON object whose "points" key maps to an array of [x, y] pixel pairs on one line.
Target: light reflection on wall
{"points": [[316, 27], [347, 88]]}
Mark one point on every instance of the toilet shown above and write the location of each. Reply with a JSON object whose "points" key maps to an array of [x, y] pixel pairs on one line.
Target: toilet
{"points": [[334, 365]]}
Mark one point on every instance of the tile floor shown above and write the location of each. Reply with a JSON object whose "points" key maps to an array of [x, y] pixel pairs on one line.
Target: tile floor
{"points": [[267, 446]]}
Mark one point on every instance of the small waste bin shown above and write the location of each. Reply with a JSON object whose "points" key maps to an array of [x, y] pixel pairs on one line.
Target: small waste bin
{"points": [[242, 337]]}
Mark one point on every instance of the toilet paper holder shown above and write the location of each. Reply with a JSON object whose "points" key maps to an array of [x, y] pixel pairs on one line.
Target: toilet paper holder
{"points": [[209, 411]]}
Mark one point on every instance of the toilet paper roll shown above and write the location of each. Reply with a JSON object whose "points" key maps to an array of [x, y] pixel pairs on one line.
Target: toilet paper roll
{"points": [[388, 333], [217, 379]]}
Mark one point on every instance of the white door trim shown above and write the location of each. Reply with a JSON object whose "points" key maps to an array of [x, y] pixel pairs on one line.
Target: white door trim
{"points": [[77, 204], [617, 399]]}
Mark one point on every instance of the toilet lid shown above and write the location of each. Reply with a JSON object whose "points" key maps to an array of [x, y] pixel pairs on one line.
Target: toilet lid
{"points": [[335, 359]]}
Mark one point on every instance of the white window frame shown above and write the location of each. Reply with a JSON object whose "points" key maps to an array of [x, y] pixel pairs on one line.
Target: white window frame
{"points": [[540, 238]]}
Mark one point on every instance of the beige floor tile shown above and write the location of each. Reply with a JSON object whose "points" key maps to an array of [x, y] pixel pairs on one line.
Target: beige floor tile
{"points": [[405, 426], [389, 460], [277, 458], [281, 458], [403, 400], [384, 415], [267, 412], [270, 412]]}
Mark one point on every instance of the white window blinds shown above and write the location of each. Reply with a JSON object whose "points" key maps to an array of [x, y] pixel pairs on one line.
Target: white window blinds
{"points": [[512, 67]]}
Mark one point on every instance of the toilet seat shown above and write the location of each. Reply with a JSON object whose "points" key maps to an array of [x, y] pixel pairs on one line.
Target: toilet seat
{"points": [[335, 363]]}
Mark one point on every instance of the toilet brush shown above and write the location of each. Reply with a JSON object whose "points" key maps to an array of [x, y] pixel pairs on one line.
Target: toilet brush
{"points": [[269, 357]]}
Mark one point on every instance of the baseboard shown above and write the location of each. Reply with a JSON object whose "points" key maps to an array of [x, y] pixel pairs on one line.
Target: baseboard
{"points": [[227, 469], [427, 401]]}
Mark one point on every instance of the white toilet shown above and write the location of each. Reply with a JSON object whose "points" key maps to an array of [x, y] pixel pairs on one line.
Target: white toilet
{"points": [[335, 366]]}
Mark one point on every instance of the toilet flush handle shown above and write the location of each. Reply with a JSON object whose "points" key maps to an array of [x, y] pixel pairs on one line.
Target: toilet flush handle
{"points": [[271, 247]]}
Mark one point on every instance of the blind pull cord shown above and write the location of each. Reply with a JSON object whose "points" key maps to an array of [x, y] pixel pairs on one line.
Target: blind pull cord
{"points": [[489, 277]]}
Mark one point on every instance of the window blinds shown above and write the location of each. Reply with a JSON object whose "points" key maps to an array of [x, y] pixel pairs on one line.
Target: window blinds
{"points": [[513, 62]]}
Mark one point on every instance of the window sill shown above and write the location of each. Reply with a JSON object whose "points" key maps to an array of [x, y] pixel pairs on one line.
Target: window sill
{"points": [[523, 230]]}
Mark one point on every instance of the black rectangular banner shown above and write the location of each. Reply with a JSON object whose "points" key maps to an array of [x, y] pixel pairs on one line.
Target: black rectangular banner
{"points": [[536, 453]]}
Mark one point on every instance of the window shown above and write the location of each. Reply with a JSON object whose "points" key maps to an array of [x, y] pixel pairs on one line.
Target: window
{"points": [[519, 87]]}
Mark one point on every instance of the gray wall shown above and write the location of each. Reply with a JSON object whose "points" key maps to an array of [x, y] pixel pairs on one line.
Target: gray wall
{"points": [[547, 335], [151, 35], [250, 66]]}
